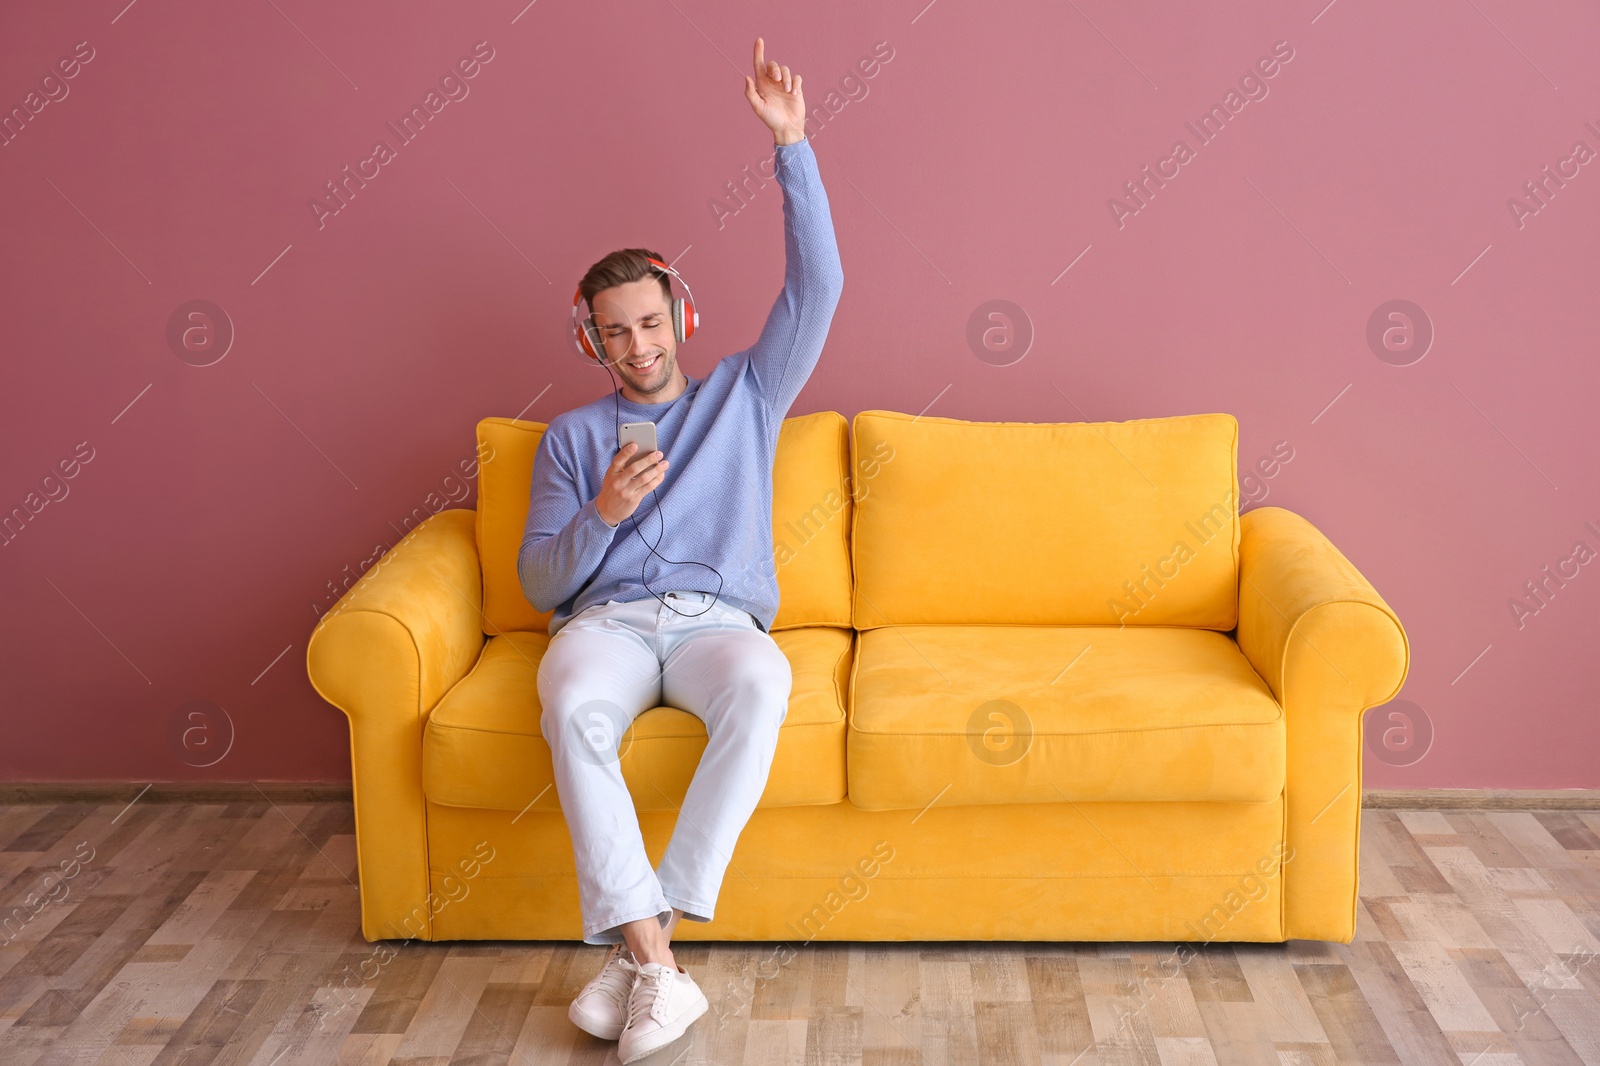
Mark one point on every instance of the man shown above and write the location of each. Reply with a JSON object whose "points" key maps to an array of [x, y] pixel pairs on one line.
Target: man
{"points": [[671, 610]]}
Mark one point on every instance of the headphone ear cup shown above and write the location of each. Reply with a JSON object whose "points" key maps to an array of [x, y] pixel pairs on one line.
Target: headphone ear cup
{"points": [[683, 317], [592, 342]]}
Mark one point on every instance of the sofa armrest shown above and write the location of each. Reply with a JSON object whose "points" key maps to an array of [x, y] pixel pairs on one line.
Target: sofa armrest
{"points": [[1329, 647], [385, 655]]}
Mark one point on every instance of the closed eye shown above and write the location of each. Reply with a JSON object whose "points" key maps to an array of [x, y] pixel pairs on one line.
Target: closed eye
{"points": [[650, 322]]}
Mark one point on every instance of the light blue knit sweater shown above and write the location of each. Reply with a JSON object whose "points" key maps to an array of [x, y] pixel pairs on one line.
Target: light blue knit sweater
{"points": [[720, 434]]}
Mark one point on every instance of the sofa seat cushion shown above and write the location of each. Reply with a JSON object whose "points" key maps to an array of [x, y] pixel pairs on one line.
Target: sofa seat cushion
{"points": [[1047, 714], [482, 746]]}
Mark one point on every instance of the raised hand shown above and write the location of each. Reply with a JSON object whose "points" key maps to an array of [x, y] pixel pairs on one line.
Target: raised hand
{"points": [[776, 98]]}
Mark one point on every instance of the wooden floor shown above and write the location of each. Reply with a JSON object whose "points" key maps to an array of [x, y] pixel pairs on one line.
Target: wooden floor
{"points": [[170, 933]]}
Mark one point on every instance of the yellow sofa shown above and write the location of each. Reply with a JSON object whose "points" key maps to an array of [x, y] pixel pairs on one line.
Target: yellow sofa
{"points": [[1049, 684]]}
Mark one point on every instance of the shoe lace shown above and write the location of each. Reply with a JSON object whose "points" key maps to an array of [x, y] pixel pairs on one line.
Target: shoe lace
{"points": [[647, 991], [616, 979]]}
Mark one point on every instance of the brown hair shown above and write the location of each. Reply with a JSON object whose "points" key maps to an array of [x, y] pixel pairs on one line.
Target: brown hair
{"points": [[621, 267]]}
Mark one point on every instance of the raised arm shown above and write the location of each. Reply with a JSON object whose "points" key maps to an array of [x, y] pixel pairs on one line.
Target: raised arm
{"points": [[791, 341]]}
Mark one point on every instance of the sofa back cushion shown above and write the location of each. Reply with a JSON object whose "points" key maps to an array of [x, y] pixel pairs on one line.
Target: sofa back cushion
{"points": [[811, 509], [1045, 523]]}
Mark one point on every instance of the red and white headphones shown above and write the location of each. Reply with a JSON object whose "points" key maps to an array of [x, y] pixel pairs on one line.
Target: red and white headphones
{"points": [[685, 319]]}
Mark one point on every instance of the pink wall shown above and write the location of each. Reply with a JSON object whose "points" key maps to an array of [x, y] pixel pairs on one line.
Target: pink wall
{"points": [[975, 164]]}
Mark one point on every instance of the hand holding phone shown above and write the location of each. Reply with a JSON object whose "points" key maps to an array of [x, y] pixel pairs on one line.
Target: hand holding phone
{"points": [[633, 472]]}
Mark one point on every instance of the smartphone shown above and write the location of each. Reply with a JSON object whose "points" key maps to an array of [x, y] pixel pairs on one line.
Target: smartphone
{"points": [[641, 433]]}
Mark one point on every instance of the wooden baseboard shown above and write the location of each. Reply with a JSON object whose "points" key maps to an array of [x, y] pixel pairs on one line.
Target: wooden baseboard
{"points": [[1483, 799], [20, 792]]}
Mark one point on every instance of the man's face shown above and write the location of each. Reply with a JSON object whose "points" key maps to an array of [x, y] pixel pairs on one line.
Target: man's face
{"points": [[635, 323]]}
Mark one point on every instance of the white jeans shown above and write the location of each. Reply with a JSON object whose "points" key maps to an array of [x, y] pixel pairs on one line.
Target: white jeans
{"points": [[607, 665]]}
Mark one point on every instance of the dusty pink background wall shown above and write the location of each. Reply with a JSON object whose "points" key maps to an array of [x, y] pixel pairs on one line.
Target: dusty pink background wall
{"points": [[213, 510]]}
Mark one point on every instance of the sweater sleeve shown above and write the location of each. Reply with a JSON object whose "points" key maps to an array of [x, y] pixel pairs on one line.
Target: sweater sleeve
{"points": [[565, 539], [813, 278]]}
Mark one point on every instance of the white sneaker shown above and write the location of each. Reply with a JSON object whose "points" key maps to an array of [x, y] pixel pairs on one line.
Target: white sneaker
{"points": [[601, 1009], [664, 1002]]}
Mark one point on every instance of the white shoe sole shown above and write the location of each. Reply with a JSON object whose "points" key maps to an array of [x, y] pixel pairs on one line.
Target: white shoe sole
{"points": [[662, 1037], [593, 1025]]}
